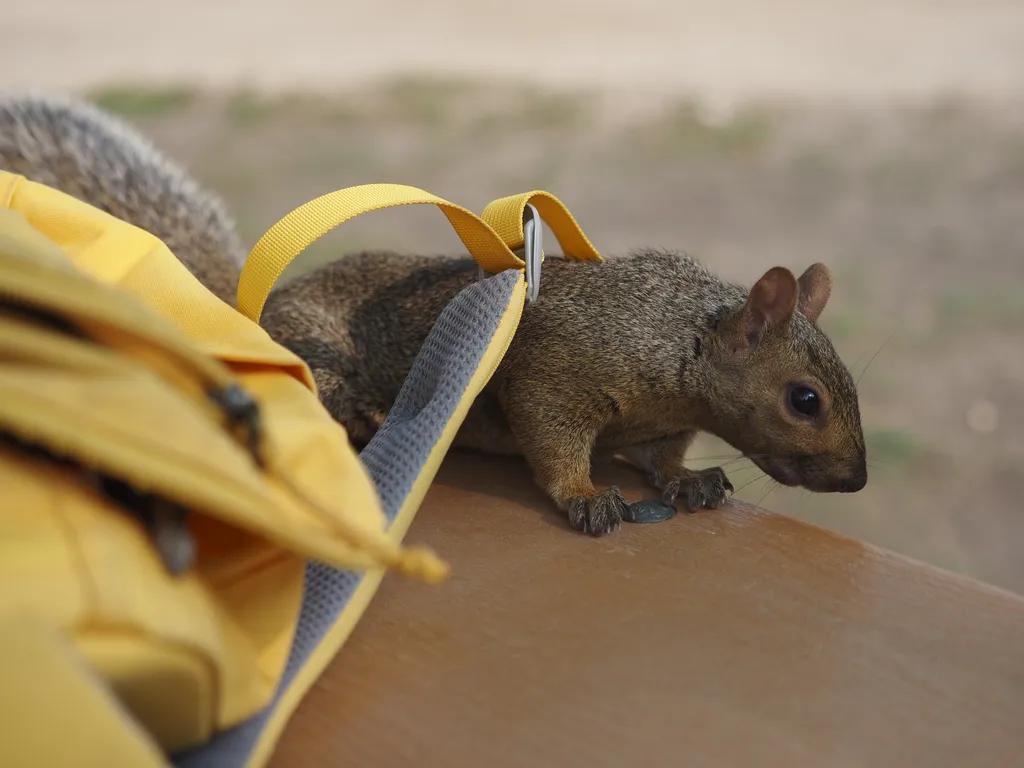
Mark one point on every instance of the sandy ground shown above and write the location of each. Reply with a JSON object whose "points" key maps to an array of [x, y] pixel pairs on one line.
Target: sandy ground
{"points": [[724, 49], [884, 138]]}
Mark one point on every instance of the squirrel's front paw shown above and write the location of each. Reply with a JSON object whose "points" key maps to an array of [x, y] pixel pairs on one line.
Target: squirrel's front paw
{"points": [[705, 489], [598, 514]]}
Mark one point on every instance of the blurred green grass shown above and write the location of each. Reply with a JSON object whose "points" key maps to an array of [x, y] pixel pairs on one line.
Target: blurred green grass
{"points": [[140, 101]]}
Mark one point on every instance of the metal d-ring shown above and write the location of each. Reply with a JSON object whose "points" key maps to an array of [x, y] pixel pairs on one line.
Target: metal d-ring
{"points": [[532, 252]]}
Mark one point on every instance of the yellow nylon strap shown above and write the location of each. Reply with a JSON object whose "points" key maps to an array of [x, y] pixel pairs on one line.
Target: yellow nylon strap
{"points": [[505, 216], [308, 223]]}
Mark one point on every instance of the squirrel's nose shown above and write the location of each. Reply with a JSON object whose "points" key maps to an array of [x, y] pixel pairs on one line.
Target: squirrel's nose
{"points": [[856, 479], [853, 484]]}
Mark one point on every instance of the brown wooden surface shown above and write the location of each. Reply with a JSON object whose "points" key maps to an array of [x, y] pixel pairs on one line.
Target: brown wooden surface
{"points": [[727, 638]]}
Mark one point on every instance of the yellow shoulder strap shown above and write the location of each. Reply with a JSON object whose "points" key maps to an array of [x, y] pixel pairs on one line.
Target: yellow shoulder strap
{"points": [[489, 238], [308, 223]]}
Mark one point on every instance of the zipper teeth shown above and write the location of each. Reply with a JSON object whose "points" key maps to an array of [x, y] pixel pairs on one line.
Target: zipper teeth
{"points": [[338, 530], [92, 458], [88, 459]]}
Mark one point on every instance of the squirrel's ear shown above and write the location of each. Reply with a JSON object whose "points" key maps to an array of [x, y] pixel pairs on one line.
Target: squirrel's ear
{"points": [[815, 288], [771, 301]]}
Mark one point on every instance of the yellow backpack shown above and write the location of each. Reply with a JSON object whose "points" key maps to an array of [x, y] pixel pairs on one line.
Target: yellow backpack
{"points": [[125, 385]]}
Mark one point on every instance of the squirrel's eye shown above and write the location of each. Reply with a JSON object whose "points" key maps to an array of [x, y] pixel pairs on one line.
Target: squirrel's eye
{"points": [[805, 401]]}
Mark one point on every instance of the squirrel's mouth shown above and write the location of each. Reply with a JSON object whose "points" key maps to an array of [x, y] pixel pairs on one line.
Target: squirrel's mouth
{"points": [[808, 472], [777, 470]]}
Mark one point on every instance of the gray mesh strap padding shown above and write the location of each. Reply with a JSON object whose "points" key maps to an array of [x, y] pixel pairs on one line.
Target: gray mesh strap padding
{"points": [[394, 457]]}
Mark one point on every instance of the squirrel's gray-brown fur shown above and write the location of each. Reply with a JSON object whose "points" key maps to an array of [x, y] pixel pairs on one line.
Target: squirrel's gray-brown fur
{"points": [[89, 154], [633, 355]]}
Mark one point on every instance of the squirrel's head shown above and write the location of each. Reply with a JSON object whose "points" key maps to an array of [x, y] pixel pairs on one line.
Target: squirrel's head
{"points": [[788, 402]]}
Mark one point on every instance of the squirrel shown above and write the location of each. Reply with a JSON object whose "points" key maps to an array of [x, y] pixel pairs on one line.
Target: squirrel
{"points": [[630, 356]]}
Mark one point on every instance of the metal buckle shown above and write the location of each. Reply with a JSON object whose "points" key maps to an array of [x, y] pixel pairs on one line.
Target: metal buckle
{"points": [[532, 252]]}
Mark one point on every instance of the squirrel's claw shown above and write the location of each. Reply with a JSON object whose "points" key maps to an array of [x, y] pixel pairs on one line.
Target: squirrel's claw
{"points": [[598, 514], [705, 489]]}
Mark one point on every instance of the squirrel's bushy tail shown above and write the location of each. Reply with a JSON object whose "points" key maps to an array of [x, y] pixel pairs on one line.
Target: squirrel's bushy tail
{"points": [[85, 152]]}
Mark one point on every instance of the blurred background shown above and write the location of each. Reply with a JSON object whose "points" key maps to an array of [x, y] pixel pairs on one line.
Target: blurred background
{"points": [[883, 137]]}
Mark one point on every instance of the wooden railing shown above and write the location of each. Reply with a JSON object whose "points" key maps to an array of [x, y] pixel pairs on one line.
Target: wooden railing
{"points": [[729, 638]]}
